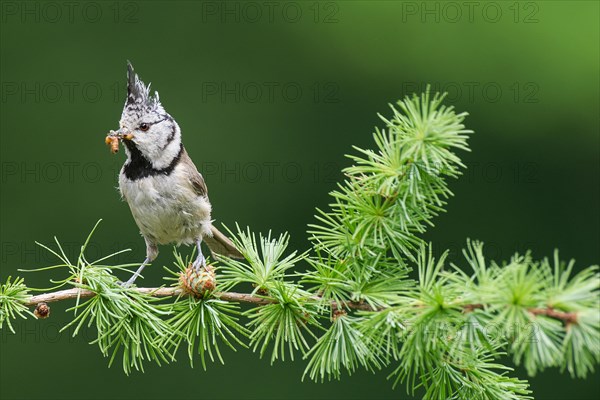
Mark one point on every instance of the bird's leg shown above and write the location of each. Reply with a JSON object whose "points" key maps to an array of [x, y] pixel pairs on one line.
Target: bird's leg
{"points": [[151, 253], [137, 272], [200, 261]]}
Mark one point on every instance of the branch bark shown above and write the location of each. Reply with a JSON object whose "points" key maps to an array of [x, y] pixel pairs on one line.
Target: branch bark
{"points": [[157, 292], [173, 291], [565, 317]]}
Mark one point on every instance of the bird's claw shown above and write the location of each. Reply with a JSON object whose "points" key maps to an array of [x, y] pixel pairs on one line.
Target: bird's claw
{"points": [[125, 285], [199, 263]]}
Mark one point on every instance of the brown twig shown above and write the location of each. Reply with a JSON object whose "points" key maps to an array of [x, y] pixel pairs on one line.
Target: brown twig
{"points": [[565, 317], [472, 307], [157, 292], [68, 294]]}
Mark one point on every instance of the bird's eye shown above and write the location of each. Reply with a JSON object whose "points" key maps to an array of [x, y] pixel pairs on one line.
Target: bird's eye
{"points": [[144, 127]]}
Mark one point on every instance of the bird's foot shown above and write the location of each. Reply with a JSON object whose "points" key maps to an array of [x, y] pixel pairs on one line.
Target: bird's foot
{"points": [[127, 284], [135, 275], [199, 263]]}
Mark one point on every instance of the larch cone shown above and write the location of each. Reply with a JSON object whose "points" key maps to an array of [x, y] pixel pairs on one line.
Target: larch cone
{"points": [[198, 282]]}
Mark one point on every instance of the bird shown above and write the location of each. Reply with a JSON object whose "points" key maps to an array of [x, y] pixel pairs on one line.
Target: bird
{"points": [[166, 193]]}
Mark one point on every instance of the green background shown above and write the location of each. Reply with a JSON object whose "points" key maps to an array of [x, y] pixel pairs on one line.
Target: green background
{"points": [[526, 72]]}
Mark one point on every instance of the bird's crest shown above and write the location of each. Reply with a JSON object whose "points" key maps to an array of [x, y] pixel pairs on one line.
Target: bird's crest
{"points": [[138, 94]]}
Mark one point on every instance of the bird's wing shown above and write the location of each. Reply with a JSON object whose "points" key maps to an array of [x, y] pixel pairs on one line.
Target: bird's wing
{"points": [[217, 241], [194, 176]]}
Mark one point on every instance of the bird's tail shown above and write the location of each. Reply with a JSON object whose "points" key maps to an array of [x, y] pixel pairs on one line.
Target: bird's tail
{"points": [[221, 244]]}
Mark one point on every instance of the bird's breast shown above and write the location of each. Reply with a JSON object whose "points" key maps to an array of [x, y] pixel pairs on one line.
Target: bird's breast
{"points": [[166, 208]]}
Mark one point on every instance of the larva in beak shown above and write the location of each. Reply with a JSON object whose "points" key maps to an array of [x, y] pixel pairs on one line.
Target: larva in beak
{"points": [[113, 142]]}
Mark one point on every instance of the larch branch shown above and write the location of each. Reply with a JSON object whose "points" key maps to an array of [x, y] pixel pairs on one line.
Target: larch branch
{"points": [[565, 317]]}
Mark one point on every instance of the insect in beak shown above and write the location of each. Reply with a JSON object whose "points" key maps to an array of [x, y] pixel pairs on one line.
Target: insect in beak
{"points": [[113, 138]]}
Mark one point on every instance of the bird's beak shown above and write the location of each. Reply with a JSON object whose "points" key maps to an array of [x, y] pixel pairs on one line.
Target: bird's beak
{"points": [[124, 134]]}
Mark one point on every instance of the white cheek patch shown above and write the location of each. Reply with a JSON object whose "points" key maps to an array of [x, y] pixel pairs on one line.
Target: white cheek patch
{"points": [[161, 145]]}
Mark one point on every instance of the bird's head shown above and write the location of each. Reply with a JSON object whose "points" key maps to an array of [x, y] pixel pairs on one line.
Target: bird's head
{"points": [[148, 130]]}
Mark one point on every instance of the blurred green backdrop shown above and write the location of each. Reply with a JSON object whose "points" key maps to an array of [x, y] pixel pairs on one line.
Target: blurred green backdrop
{"points": [[270, 96]]}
